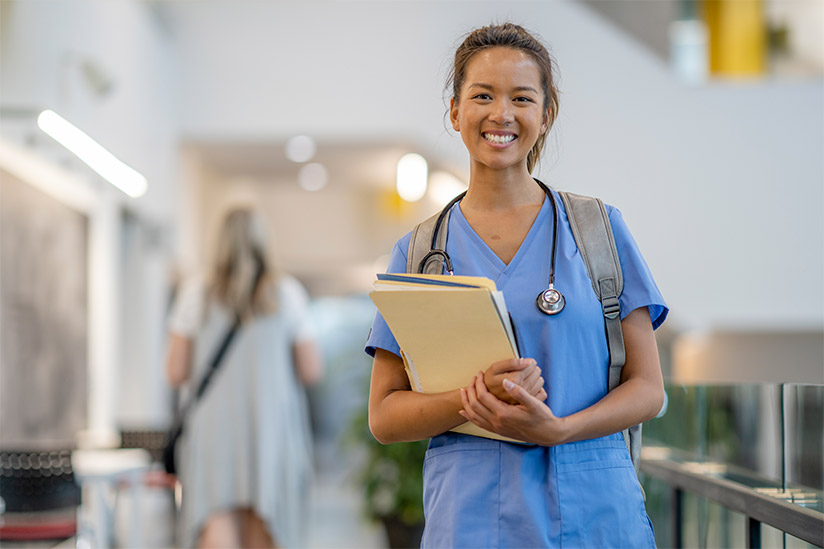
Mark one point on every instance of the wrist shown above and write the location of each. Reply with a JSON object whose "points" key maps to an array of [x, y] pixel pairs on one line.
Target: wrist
{"points": [[558, 431]]}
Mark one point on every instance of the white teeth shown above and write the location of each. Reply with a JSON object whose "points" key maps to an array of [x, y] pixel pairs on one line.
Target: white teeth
{"points": [[498, 138]]}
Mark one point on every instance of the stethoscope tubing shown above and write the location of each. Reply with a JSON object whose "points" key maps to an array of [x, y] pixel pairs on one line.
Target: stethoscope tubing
{"points": [[549, 301]]}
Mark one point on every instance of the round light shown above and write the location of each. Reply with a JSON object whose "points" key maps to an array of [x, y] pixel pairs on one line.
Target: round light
{"points": [[312, 177], [411, 177], [300, 148]]}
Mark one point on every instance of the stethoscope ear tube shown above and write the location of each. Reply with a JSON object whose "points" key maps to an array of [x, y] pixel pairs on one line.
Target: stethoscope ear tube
{"points": [[549, 301]]}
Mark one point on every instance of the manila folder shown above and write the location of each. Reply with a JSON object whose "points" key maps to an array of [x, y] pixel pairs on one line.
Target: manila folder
{"points": [[446, 337]]}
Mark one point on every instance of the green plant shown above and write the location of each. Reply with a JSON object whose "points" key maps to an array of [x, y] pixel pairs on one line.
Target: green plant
{"points": [[391, 475]]}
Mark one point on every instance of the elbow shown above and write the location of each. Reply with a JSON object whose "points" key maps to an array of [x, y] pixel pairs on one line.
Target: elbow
{"points": [[657, 402], [377, 432], [380, 431], [174, 378]]}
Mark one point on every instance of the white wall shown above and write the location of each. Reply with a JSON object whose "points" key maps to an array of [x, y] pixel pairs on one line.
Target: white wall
{"points": [[721, 184]]}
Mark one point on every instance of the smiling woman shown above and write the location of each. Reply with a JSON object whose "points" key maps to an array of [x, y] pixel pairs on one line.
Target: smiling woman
{"points": [[573, 482]]}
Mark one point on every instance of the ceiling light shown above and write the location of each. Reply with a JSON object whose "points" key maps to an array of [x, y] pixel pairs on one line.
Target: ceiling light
{"points": [[300, 148], [312, 177], [411, 177], [92, 153]]}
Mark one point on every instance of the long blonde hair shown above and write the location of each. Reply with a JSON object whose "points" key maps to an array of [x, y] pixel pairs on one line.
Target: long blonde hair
{"points": [[240, 253]]}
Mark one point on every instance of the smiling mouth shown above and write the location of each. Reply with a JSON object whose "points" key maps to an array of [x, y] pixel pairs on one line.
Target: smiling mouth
{"points": [[499, 139]]}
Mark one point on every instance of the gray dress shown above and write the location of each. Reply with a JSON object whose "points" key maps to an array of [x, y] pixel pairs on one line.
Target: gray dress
{"points": [[247, 442]]}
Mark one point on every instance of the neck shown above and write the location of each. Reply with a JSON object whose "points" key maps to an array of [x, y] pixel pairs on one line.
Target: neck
{"points": [[501, 190]]}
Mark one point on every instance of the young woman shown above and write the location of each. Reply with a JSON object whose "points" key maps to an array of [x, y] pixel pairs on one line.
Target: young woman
{"points": [[245, 455], [573, 484]]}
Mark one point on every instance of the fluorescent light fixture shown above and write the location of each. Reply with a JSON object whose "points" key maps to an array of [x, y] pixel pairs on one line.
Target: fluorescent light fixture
{"points": [[443, 187], [312, 177], [92, 153], [300, 148], [411, 177]]}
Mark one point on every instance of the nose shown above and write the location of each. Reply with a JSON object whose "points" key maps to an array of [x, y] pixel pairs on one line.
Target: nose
{"points": [[502, 112]]}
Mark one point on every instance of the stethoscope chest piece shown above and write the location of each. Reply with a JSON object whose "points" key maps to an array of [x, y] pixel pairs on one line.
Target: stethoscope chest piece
{"points": [[550, 301]]}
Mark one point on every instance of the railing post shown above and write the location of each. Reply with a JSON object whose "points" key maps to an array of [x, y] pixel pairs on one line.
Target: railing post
{"points": [[753, 533], [677, 517]]}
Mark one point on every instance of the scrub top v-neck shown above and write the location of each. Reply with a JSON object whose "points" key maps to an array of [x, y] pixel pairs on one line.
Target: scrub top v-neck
{"points": [[487, 493], [542, 221]]}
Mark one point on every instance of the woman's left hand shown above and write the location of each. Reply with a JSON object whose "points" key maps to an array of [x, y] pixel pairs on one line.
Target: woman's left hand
{"points": [[530, 420]]}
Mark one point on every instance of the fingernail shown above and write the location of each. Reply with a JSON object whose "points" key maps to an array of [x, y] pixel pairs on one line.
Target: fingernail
{"points": [[508, 384]]}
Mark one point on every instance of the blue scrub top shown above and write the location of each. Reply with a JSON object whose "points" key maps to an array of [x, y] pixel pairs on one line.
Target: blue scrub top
{"points": [[485, 493]]}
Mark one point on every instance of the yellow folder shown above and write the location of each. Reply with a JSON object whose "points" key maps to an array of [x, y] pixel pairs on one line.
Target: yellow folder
{"points": [[449, 328]]}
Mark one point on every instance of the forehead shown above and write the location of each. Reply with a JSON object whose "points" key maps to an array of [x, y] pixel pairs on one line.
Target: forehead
{"points": [[503, 66]]}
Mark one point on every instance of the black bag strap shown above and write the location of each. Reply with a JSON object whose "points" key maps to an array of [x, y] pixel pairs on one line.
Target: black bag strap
{"points": [[217, 358]]}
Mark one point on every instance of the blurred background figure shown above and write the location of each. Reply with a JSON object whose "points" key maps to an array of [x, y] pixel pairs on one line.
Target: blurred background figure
{"points": [[245, 459]]}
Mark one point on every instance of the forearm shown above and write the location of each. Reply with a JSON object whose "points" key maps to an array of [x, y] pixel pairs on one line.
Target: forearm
{"points": [[632, 402], [398, 414], [404, 415]]}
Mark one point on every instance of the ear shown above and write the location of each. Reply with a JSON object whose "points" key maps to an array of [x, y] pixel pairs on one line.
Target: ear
{"points": [[453, 115]]}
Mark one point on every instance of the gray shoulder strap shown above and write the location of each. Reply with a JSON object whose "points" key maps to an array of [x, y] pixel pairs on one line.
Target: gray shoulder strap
{"points": [[590, 226], [592, 231], [421, 243]]}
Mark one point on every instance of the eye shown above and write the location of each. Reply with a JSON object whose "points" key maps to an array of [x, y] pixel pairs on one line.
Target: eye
{"points": [[523, 99], [482, 96]]}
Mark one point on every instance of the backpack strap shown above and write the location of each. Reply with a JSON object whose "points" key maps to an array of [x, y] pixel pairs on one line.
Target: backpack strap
{"points": [[421, 244], [592, 231], [590, 226]]}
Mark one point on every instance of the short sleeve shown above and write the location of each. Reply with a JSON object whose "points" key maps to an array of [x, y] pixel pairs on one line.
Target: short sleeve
{"points": [[380, 335], [187, 310], [640, 289], [295, 302]]}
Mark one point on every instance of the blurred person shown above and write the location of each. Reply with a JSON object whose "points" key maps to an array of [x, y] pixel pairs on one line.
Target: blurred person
{"points": [[245, 458], [573, 483]]}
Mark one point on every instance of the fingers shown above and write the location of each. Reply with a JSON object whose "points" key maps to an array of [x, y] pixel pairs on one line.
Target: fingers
{"points": [[474, 410], [518, 393], [531, 381], [511, 365]]}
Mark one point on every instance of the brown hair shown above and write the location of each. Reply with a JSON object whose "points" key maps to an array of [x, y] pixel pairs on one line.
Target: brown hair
{"points": [[509, 35]]}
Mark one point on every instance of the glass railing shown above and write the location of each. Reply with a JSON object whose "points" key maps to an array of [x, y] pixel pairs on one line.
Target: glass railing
{"points": [[736, 466]]}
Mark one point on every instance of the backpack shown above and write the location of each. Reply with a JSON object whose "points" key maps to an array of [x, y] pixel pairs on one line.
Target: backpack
{"points": [[592, 231]]}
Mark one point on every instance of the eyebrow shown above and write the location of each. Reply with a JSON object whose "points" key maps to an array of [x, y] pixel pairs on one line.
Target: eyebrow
{"points": [[516, 88]]}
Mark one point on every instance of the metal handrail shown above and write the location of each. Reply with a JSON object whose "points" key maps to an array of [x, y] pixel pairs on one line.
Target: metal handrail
{"points": [[801, 522]]}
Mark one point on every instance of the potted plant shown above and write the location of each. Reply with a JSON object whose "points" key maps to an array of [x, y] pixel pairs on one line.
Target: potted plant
{"points": [[391, 479]]}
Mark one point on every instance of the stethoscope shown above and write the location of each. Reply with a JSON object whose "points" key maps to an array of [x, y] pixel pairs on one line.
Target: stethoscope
{"points": [[549, 301]]}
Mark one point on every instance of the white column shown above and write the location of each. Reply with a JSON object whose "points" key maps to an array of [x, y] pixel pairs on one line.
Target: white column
{"points": [[104, 329]]}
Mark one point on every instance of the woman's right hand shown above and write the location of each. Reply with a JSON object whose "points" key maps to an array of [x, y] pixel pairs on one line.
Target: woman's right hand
{"points": [[524, 372]]}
